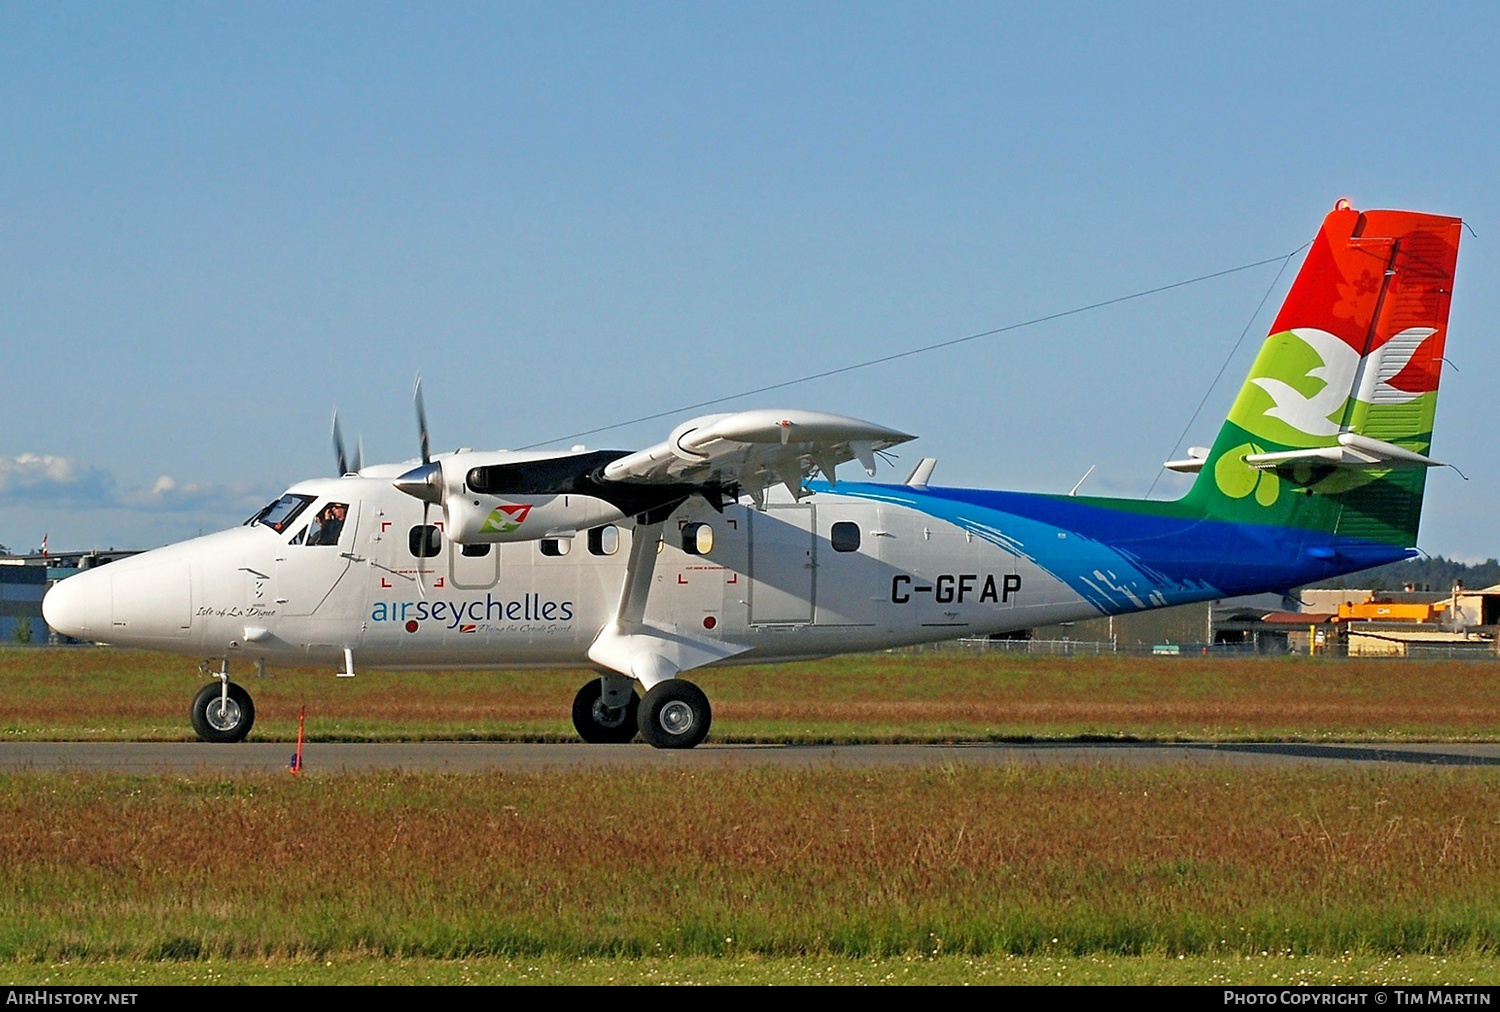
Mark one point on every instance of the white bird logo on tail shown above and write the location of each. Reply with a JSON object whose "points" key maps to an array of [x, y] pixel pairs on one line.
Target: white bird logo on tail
{"points": [[1341, 366]]}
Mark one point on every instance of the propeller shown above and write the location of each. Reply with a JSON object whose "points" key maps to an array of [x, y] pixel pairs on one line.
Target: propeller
{"points": [[345, 465], [425, 481], [421, 419]]}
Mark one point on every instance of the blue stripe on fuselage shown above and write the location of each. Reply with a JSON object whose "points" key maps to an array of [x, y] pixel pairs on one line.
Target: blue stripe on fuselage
{"points": [[1121, 561]]}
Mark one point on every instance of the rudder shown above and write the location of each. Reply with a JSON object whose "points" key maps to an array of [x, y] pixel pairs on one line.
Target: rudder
{"points": [[1332, 428]]}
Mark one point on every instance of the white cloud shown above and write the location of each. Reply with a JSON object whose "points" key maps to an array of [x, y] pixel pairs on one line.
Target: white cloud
{"points": [[45, 479], [41, 478]]}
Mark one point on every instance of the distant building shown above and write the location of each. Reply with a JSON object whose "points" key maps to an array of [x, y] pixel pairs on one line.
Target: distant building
{"points": [[24, 580], [1375, 623]]}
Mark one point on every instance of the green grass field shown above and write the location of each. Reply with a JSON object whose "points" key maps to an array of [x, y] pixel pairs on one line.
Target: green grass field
{"points": [[1279, 970], [1085, 874], [103, 694]]}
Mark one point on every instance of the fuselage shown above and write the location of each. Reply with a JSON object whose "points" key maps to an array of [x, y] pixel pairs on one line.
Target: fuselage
{"points": [[848, 568]]}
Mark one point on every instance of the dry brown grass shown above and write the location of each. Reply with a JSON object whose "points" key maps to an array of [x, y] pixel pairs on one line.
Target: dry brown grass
{"points": [[85, 694], [975, 860]]}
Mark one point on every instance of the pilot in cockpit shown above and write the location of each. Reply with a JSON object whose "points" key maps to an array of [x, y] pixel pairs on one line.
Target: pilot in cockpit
{"points": [[328, 524]]}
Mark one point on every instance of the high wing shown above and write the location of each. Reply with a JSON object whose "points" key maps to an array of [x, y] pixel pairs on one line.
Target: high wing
{"points": [[753, 450], [746, 451], [507, 496], [502, 495]]}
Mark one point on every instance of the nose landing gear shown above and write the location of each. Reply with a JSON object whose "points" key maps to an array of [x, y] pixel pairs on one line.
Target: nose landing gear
{"points": [[222, 711]]}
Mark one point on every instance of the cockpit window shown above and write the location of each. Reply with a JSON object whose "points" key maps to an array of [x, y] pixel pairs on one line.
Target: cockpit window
{"points": [[328, 524], [279, 515]]}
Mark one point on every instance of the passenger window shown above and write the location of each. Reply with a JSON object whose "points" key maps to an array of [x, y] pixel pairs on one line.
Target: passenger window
{"points": [[555, 547], [475, 551], [425, 541], [697, 539], [328, 524], [845, 537], [604, 540]]}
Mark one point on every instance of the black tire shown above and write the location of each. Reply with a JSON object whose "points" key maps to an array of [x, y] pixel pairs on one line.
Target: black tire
{"points": [[598, 724], [675, 714], [216, 723]]}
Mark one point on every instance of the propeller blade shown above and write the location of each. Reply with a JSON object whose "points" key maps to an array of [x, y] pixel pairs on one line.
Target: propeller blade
{"points": [[421, 584], [359, 455], [422, 421], [338, 446]]}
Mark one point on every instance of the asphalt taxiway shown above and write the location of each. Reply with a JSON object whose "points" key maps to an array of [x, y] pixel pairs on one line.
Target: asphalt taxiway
{"points": [[193, 758]]}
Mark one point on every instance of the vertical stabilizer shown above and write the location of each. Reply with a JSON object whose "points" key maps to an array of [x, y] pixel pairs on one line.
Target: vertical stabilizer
{"points": [[1333, 427]]}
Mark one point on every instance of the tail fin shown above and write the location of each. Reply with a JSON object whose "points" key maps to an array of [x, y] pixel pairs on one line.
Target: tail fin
{"points": [[1332, 429]]}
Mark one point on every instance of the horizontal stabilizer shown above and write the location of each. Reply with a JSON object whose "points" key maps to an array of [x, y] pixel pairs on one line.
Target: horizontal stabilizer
{"points": [[1354, 452], [1192, 463]]}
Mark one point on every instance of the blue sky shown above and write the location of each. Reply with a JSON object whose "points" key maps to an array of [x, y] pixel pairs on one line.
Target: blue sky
{"points": [[222, 220]]}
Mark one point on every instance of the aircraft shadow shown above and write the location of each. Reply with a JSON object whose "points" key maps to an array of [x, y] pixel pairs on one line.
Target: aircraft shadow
{"points": [[1348, 753]]}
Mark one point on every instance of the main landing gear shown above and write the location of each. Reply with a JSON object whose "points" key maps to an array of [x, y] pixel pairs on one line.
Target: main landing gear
{"points": [[604, 711], [674, 714], [222, 711]]}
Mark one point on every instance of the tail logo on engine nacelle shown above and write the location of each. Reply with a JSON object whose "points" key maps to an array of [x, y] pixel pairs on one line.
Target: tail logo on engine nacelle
{"points": [[505, 519]]}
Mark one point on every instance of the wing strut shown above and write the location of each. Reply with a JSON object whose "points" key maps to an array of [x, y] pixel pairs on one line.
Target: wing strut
{"points": [[651, 652]]}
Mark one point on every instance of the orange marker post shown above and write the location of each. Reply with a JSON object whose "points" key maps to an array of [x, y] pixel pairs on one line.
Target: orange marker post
{"points": [[296, 764]]}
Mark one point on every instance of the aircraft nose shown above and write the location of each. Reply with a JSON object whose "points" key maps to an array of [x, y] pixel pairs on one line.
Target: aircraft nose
{"points": [[79, 605]]}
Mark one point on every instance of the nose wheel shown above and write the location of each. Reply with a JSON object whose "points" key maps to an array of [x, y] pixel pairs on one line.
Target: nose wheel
{"points": [[222, 712]]}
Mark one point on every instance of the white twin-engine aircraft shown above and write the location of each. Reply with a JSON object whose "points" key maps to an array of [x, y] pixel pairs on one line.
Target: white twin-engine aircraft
{"points": [[718, 547]]}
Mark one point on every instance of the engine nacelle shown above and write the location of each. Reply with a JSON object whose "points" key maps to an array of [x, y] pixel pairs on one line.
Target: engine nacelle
{"points": [[503, 496], [478, 518]]}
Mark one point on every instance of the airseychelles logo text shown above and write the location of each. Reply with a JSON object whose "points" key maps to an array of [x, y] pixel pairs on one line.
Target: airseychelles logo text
{"points": [[454, 614]]}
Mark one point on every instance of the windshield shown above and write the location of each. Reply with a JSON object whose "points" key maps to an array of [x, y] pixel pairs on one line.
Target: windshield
{"points": [[279, 515]]}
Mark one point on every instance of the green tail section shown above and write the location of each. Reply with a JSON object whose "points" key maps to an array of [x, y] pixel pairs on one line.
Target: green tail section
{"points": [[1332, 429]]}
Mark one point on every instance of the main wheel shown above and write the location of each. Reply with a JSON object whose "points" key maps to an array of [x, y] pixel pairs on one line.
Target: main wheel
{"points": [[675, 714], [218, 721], [599, 724]]}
